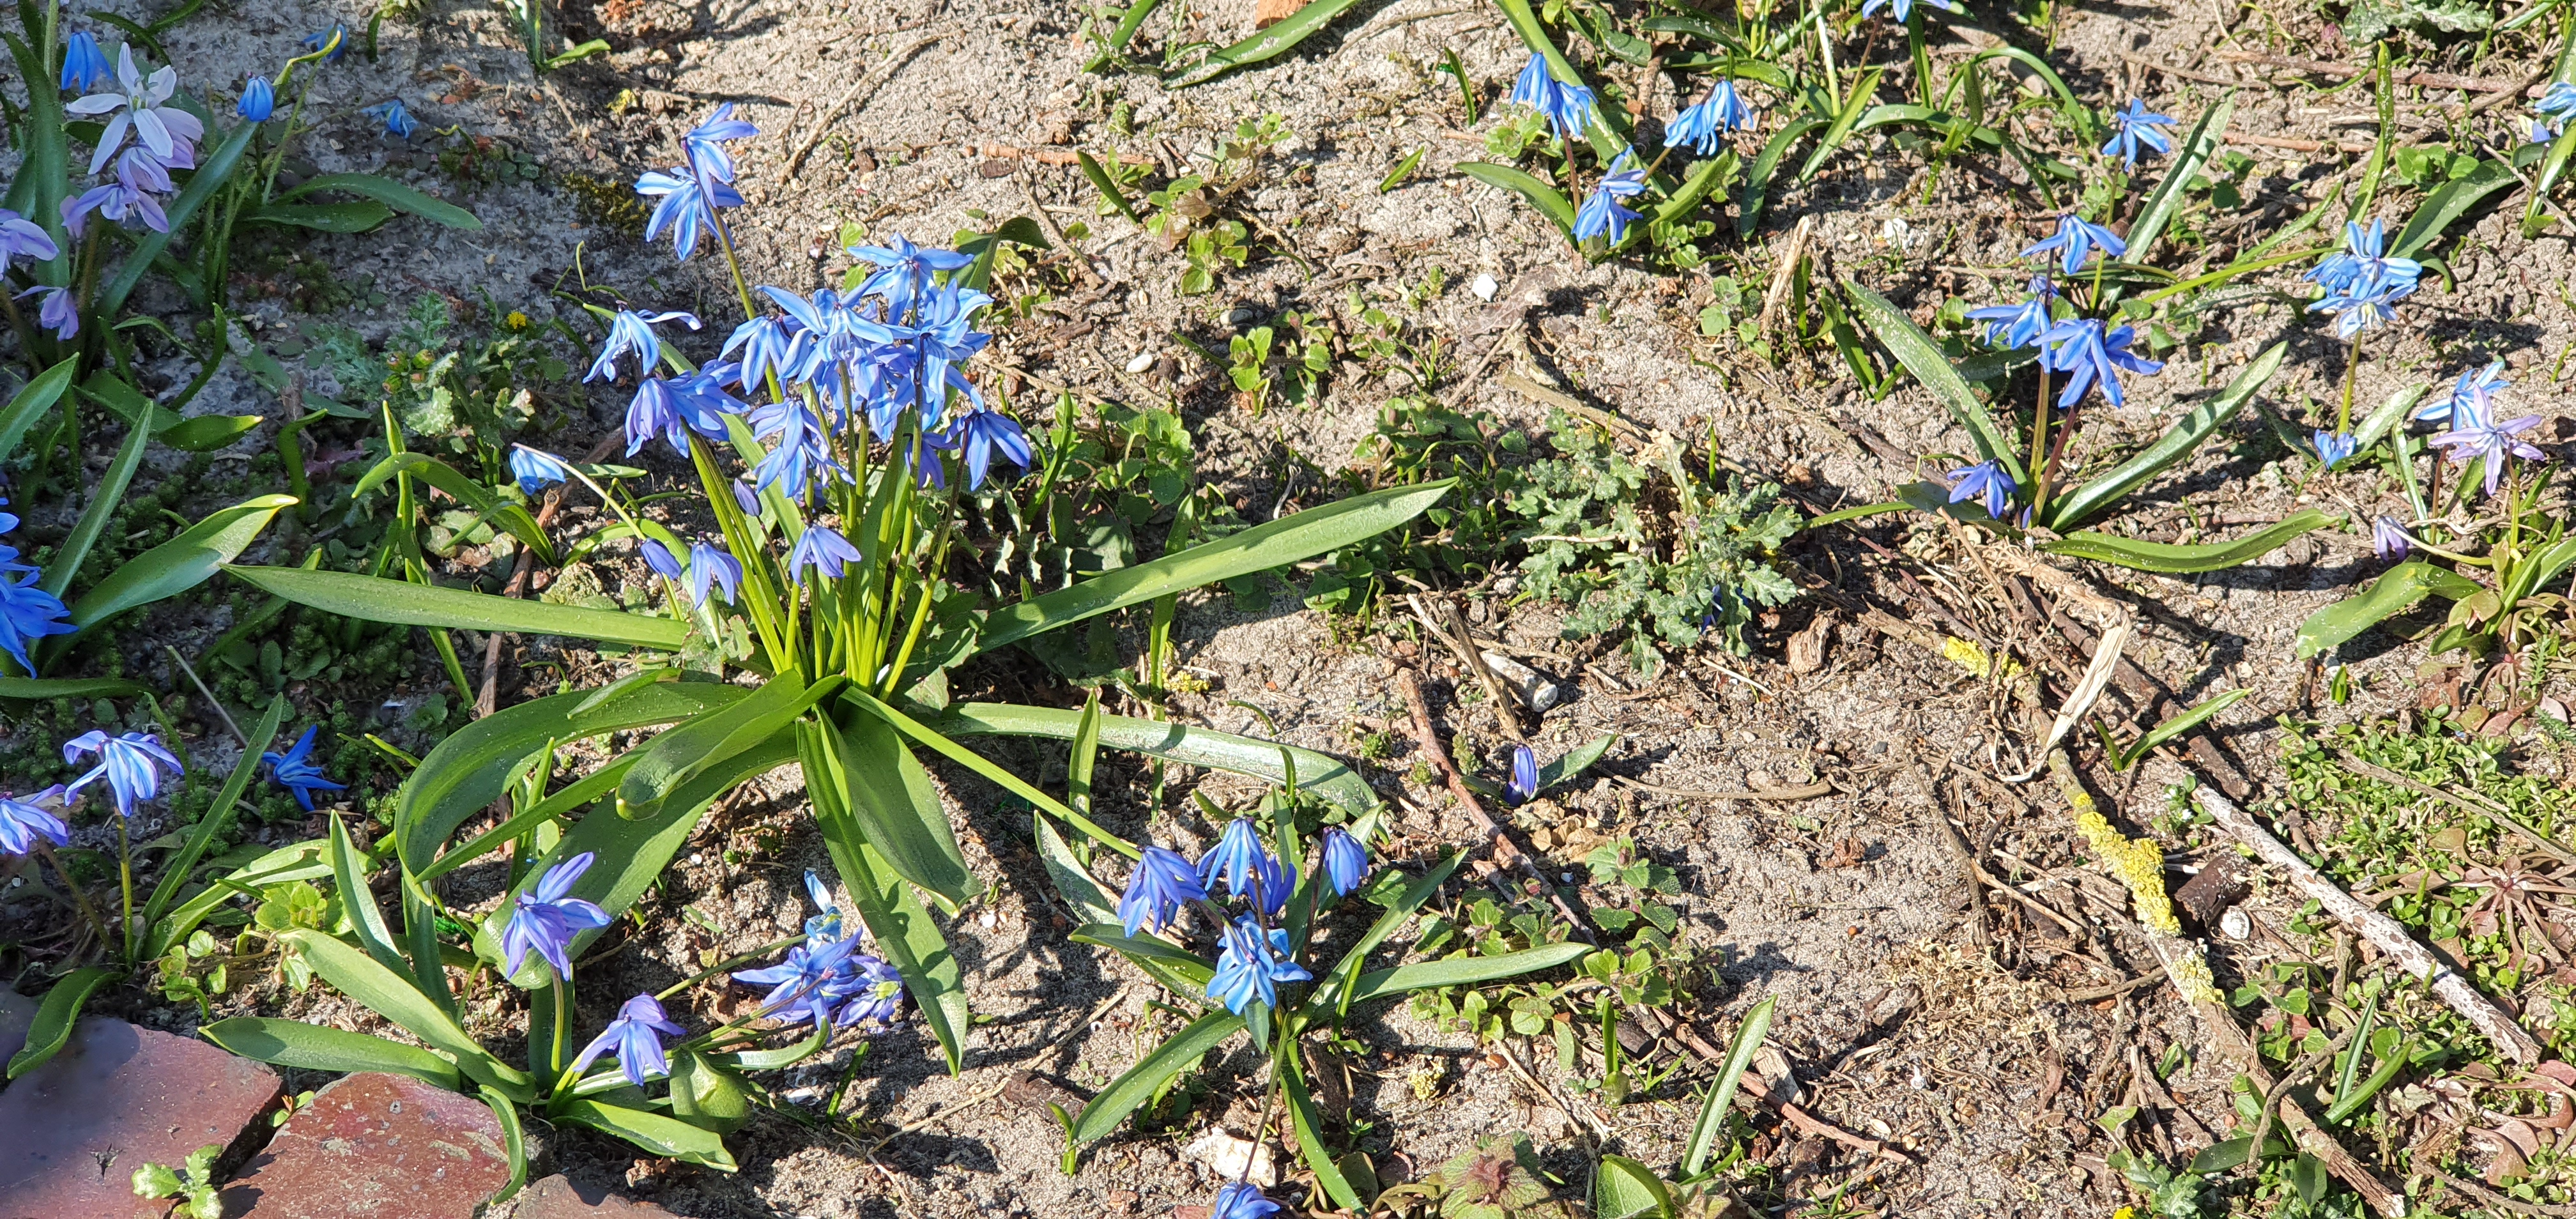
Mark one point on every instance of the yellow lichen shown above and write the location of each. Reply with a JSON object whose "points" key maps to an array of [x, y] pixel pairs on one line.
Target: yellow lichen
{"points": [[2135, 862], [1967, 655], [2191, 976]]}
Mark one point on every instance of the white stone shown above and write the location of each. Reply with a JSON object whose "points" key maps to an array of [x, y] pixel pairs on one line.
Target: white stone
{"points": [[1229, 1156], [1484, 287], [1142, 361]]}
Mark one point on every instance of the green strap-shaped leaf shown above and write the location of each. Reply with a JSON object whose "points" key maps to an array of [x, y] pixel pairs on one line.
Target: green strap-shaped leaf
{"points": [[1570, 766], [904, 934], [663, 1136], [207, 433], [2189, 156], [1712, 1112], [60, 1009], [393, 997], [213, 170], [1310, 1137], [2183, 560], [670, 760], [1274, 544], [358, 902], [392, 194], [2388, 596], [1325, 994], [1844, 120], [1757, 180], [482, 499], [31, 402], [180, 564], [889, 793], [357, 217], [405, 604], [2390, 413], [308, 860], [217, 816], [1922, 357], [1463, 971], [107, 499], [1321, 774], [1278, 40], [706, 1095], [2094, 498], [1141, 1081], [1147, 948], [2447, 204], [1550, 201], [1624, 1189], [1695, 189], [471, 768], [320, 1047], [65, 687], [514, 1140]]}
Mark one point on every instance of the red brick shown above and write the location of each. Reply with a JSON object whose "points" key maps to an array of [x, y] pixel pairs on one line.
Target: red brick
{"points": [[556, 1197], [114, 1099], [375, 1146]]}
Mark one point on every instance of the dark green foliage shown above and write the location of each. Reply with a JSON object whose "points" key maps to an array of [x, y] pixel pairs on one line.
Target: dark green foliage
{"points": [[1420, 441]]}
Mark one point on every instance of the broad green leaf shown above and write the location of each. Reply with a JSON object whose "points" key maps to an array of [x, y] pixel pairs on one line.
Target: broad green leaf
{"points": [[631, 855], [1757, 180], [482, 499], [213, 170], [904, 933], [555, 807], [31, 402], [1566, 769], [897, 807], [128, 403], [1840, 128], [1550, 201], [1147, 948], [1712, 1112], [1143, 1080], [1922, 357], [2447, 204], [405, 604], [1327, 992], [60, 1009], [358, 902], [1463, 971], [180, 564], [355, 217], [706, 1095], [2177, 444], [393, 997], [669, 761], [471, 768], [1623, 1189], [1307, 1123], [2390, 413], [105, 500], [2181, 560], [392, 194], [2193, 152], [514, 1140], [1278, 40], [217, 816], [1260, 548], [1320, 774], [772, 1060], [66, 687], [207, 433], [1073, 882], [663, 1136], [2207, 709], [320, 1047], [1695, 189], [308, 860], [2388, 596], [36, 190]]}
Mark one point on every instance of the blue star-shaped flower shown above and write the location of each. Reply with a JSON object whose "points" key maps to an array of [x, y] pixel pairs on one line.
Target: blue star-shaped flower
{"points": [[1567, 107], [1252, 966], [636, 1034], [708, 565], [397, 119], [2010, 327], [2078, 347], [331, 44], [2133, 128], [1904, 9], [1164, 880], [1704, 126], [1239, 860], [2077, 239], [1241, 1200], [986, 434], [27, 613], [2555, 106], [1524, 785], [632, 332], [2476, 385], [24, 820], [1601, 213], [295, 770], [685, 204], [1346, 861], [821, 549], [2362, 265], [2389, 539], [131, 764], [2475, 434], [548, 917], [2365, 304], [1985, 479], [536, 469], [2333, 448], [85, 65], [797, 984]]}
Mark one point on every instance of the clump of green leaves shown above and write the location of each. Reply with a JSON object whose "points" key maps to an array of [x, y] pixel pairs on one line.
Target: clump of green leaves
{"points": [[1500, 1179], [184, 981], [193, 1184], [1648, 548], [1417, 440]]}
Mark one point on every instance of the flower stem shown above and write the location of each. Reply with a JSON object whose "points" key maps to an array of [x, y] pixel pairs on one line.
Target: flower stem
{"points": [[2351, 374], [125, 869], [2039, 445], [563, 1016]]}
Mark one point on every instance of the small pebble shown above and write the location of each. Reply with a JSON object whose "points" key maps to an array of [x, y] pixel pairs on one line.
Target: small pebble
{"points": [[1142, 361], [1484, 287]]}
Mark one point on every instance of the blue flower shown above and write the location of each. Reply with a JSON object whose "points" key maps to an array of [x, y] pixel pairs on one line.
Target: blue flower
{"points": [[1568, 107], [1705, 125], [138, 107], [904, 271], [1986, 479], [800, 448], [636, 1034], [1346, 861], [85, 66], [710, 565], [139, 175], [2475, 434], [22, 821], [798, 983], [2363, 263], [2079, 239], [659, 557], [397, 120], [131, 764], [1601, 212], [2133, 127], [2364, 304], [868, 990], [58, 311], [672, 408], [2474, 386], [687, 208], [2333, 448], [1904, 9], [1162, 882], [1524, 785], [294, 770], [23, 238], [825, 927], [1252, 966], [548, 918], [331, 43], [536, 470], [821, 549], [985, 434], [27, 613], [1274, 883], [1239, 859], [258, 100], [2389, 540], [2078, 346], [2011, 327], [705, 145], [629, 331], [768, 345], [1242, 1201], [2554, 106]]}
